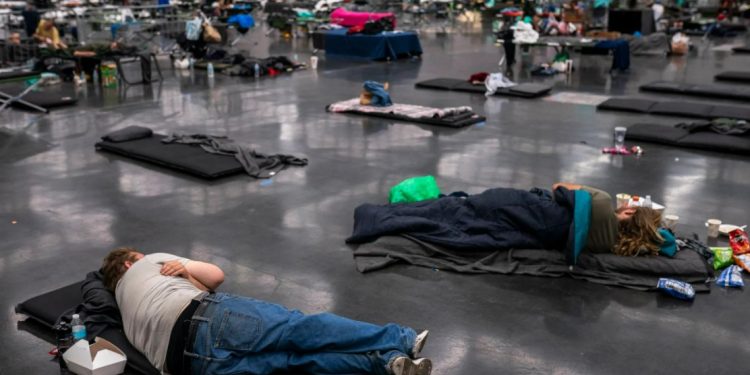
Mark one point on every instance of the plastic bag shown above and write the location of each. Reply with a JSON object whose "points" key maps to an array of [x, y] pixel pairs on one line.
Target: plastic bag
{"points": [[722, 257], [496, 81], [731, 277], [680, 44], [739, 242], [743, 260], [677, 289], [415, 189], [193, 29]]}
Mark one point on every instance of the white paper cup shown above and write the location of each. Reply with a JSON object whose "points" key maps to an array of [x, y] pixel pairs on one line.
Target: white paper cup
{"points": [[314, 62], [670, 221], [622, 200], [713, 227]]}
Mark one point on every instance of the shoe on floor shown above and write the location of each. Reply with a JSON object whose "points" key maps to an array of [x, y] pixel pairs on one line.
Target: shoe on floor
{"points": [[407, 366], [419, 343]]}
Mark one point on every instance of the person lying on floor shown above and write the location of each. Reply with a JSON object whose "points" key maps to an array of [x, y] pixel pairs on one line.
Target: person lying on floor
{"points": [[171, 315], [571, 217]]}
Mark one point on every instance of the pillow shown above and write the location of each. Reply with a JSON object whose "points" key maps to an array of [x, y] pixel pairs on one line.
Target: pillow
{"points": [[129, 133]]}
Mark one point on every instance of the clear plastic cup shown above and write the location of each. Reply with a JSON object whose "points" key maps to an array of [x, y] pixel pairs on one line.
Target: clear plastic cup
{"points": [[619, 137]]}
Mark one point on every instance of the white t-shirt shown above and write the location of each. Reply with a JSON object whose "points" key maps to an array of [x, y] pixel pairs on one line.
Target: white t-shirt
{"points": [[151, 303]]}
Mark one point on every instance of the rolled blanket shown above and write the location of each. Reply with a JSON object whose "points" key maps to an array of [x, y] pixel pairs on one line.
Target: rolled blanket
{"points": [[129, 133]]}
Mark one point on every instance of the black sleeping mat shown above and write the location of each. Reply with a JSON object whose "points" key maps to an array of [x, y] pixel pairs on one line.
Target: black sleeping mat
{"points": [[523, 90], [44, 98], [703, 140], [48, 307], [735, 76], [673, 108], [640, 273], [707, 91], [455, 121], [18, 75], [180, 157], [743, 49]]}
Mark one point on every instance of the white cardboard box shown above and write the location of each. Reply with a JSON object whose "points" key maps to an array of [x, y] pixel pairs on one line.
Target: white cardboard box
{"points": [[100, 358]]}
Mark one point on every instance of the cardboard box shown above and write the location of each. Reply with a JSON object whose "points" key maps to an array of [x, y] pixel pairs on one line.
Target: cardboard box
{"points": [[100, 358]]}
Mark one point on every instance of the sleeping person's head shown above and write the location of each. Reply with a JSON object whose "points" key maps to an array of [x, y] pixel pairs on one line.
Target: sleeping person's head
{"points": [[638, 231], [116, 263]]}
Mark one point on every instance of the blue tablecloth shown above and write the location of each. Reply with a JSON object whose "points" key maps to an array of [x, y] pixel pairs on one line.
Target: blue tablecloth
{"points": [[388, 44]]}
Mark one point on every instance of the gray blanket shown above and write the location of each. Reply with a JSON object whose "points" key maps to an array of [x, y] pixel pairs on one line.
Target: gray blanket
{"points": [[640, 273]]}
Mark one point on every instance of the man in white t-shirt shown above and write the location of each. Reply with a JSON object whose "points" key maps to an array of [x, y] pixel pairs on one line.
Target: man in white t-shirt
{"points": [[171, 316]]}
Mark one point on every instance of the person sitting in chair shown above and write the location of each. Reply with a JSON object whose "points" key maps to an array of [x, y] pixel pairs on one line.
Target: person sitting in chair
{"points": [[92, 54], [47, 34], [171, 314]]}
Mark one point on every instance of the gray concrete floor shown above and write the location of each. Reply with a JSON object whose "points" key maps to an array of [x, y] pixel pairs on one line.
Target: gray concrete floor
{"points": [[64, 205]]}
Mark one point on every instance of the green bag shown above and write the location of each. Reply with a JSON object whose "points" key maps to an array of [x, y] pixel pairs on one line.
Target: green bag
{"points": [[415, 189], [722, 257]]}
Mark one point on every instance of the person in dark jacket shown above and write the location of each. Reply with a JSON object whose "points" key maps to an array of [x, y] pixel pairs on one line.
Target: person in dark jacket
{"points": [[504, 218]]}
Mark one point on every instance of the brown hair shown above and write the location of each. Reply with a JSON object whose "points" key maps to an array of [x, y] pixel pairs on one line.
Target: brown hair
{"points": [[113, 266], [640, 233]]}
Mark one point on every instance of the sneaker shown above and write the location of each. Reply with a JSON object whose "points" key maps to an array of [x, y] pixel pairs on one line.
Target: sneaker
{"points": [[419, 343], [407, 366]]}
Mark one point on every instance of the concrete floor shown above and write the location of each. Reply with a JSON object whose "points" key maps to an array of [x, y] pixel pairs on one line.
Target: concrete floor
{"points": [[64, 205]]}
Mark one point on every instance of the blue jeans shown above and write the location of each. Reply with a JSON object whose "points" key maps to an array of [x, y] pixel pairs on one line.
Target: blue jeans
{"points": [[240, 335]]}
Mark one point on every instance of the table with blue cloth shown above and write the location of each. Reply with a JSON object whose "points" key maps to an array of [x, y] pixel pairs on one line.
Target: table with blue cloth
{"points": [[386, 45]]}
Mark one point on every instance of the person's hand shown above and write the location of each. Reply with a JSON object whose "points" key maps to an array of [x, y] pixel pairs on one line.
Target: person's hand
{"points": [[48, 40], [174, 268]]}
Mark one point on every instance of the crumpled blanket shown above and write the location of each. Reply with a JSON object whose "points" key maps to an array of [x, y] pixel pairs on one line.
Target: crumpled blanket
{"points": [[723, 126], [255, 164], [409, 110], [638, 273]]}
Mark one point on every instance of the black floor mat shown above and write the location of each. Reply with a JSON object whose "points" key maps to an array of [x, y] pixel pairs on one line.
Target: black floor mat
{"points": [[180, 157], [733, 76], [673, 108], [704, 140], [706, 91], [523, 90], [456, 121]]}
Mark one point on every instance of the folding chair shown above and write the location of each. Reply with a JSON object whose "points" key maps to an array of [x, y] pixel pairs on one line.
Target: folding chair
{"points": [[7, 99], [122, 61]]}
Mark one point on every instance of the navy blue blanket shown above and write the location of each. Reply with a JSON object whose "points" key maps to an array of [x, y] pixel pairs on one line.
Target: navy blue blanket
{"points": [[385, 45], [496, 219]]}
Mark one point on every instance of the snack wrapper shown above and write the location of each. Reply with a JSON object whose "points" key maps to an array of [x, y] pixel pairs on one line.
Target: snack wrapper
{"points": [[676, 288], [743, 260], [731, 277], [722, 257]]}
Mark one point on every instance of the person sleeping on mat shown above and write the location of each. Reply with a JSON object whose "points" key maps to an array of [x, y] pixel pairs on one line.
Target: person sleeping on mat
{"points": [[571, 217], [171, 314]]}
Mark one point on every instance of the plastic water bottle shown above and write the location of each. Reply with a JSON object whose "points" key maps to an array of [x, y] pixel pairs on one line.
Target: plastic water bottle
{"points": [[210, 70], [95, 76], [647, 202], [256, 69], [79, 330]]}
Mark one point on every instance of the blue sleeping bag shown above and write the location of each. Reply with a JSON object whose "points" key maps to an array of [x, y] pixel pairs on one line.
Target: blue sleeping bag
{"points": [[495, 219]]}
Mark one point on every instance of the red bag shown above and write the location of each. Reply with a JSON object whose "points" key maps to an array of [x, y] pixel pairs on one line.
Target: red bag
{"points": [[739, 242]]}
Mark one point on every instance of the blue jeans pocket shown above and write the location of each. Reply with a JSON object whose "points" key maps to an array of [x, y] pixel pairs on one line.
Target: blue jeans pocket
{"points": [[238, 331]]}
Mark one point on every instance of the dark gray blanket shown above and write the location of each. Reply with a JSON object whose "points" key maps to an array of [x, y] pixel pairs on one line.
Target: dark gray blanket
{"points": [[639, 273]]}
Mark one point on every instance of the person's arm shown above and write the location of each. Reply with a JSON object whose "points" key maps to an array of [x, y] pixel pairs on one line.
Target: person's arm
{"points": [[204, 276], [207, 274]]}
